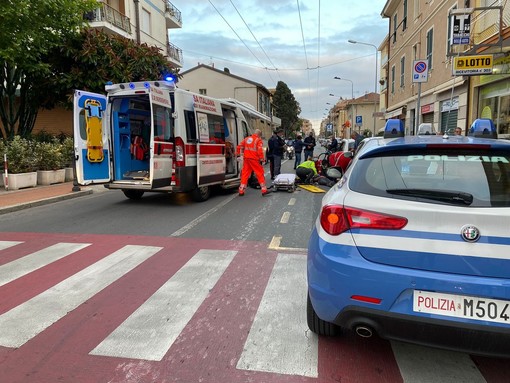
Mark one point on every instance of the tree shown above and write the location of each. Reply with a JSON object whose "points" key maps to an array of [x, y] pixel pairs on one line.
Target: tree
{"points": [[286, 108], [29, 29], [91, 59]]}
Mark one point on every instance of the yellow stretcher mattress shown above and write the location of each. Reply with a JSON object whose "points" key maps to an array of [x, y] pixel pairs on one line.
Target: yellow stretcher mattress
{"points": [[312, 188]]}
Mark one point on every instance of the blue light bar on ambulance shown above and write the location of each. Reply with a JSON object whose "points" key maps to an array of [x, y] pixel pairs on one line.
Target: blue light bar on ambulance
{"points": [[394, 128], [483, 128]]}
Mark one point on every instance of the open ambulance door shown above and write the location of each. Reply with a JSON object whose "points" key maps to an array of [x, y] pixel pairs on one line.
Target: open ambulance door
{"points": [[211, 141], [91, 138], [162, 132]]}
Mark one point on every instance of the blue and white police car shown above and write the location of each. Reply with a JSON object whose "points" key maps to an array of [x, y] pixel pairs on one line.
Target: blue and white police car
{"points": [[413, 243]]}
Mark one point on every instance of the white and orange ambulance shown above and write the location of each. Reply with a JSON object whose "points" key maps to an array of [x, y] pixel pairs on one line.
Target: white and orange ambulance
{"points": [[153, 137]]}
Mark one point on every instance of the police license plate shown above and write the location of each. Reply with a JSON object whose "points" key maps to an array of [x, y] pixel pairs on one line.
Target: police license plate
{"points": [[462, 306]]}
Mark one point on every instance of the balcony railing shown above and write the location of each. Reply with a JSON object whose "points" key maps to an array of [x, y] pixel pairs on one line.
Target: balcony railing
{"points": [[110, 15], [174, 53], [173, 11]]}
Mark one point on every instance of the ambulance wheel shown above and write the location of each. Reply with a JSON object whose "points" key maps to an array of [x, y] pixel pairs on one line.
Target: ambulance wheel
{"points": [[201, 193], [133, 194]]}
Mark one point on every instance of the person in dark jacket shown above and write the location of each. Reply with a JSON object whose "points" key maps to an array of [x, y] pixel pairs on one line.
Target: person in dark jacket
{"points": [[310, 144], [298, 145], [276, 145]]}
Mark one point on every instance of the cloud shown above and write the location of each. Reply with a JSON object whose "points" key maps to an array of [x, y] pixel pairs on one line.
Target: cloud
{"points": [[272, 40]]}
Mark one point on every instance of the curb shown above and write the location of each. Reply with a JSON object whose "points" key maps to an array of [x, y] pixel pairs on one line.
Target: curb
{"points": [[46, 201]]}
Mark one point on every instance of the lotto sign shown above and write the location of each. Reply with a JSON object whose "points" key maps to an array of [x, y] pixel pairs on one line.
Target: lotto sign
{"points": [[420, 71], [472, 65]]}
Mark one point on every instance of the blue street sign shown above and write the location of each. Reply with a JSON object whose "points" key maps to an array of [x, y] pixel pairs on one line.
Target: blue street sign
{"points": [[359, 120]]}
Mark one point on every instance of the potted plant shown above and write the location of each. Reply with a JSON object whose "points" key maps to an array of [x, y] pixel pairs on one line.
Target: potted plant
{"points": [[21, 163], [49, 162], [68, 153]]}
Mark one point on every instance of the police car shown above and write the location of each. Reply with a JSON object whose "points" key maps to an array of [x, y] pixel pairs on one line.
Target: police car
{"points": [[413, 243]]}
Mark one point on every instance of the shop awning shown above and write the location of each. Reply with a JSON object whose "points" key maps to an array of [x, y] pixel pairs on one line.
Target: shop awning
{"points": [[395, 113]]}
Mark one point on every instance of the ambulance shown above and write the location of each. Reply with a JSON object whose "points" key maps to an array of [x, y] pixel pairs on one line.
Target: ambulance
{"points": [[154, 137]]}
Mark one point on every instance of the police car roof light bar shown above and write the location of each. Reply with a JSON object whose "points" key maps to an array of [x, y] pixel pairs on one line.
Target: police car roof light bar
{"points": [[394, 128], [483, 128]]}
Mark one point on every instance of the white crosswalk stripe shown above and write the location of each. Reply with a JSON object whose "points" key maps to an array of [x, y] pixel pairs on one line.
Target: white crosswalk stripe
{"points": [[419, 364], [7, 244], [34, 261], [150, 331], [279, 340], [25, 321]]}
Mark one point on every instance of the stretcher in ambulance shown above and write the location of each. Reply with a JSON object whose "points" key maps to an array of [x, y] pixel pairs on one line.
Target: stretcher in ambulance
{"points": [[153, 137]]}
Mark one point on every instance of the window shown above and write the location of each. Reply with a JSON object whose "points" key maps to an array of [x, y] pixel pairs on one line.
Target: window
{"points": [[402, 71], [395, 27], [163, 124], [146, 22], [404, 20], [393, 79], [203, 91], [430, 46], [211, 128]]}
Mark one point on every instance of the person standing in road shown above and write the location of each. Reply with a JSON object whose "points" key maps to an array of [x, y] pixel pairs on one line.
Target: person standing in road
{"points": [[276, 145], [333, 147], [298, 145], [310, 145], [357, 139], [253, 155]]}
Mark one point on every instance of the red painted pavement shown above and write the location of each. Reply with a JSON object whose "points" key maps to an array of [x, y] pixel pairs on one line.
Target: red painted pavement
{"points": [[208, 348]]}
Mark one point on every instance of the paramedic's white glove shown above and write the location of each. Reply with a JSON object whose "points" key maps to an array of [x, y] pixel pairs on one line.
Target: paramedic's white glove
{"points": [[239, 158]]}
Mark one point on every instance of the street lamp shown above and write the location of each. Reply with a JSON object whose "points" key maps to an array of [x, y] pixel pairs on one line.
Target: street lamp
{"points": [[352, 85], [375, 86]]}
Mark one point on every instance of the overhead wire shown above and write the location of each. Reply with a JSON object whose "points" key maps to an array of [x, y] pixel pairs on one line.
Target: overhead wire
{"points": [[253, 35], [239, 37], [304, 48]]}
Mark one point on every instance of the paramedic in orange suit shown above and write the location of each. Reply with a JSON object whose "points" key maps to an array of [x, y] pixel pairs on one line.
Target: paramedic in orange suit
{"points": [[253, 155]]}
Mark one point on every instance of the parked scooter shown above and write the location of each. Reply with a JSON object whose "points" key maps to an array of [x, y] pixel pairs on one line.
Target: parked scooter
{"points": [[290, 152]]}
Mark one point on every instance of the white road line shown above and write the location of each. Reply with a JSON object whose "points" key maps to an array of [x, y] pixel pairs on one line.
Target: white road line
{"points": [[292, 202], [25, 321], [15, 269], [279, 339], [199, 219], [419, 364], [7, 244], [285, 217], [151, 330]]}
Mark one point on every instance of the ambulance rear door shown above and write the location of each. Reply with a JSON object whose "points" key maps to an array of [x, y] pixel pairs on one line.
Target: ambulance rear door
{"points": [[91, 138], [211, 140], [162, 134]]}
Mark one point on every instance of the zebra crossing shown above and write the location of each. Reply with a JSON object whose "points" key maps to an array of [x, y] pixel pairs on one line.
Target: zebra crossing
{"points": [[138, 309]]}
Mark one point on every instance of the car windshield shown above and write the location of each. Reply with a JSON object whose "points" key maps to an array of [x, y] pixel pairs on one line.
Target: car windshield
{"points": [[456, 177]]}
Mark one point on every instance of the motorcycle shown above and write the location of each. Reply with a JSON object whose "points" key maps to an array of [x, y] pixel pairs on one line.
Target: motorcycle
{"points": [[290, 152]]}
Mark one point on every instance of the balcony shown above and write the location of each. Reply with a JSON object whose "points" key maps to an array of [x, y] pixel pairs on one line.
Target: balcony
{"points": [[174, 55], [173, 16], [109, 19]]}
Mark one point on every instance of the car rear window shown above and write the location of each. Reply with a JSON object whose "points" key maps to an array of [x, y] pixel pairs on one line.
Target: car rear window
{"points": [[456, 176]]}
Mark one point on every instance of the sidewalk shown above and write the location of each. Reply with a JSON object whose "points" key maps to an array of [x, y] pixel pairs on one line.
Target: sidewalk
{"points": [[13, 200]]}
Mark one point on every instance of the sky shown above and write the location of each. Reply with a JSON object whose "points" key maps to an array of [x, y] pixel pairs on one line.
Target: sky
{"points": [[303, 43]]}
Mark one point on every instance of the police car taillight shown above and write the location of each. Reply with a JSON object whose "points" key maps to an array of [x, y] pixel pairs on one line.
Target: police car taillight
{"points": [[336, 219]]}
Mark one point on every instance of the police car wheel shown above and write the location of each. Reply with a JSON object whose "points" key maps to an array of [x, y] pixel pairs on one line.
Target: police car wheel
{"points": [[133, 194], [201, 194], [317, 325]]}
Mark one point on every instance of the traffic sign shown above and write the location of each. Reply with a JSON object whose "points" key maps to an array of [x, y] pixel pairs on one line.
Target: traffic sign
{"points": [[472, 65], [420, 71], [359, 120]]}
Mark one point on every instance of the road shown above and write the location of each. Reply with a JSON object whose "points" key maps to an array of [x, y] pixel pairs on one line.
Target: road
{"points": [[105, 289]]}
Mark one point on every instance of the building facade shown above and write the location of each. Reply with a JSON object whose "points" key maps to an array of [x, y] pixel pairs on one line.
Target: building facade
{"points": [[144, 21], [425, 34], [209, 81]]}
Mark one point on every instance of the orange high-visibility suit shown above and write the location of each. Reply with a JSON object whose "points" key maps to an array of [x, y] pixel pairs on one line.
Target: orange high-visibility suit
{"points": [[253, 155]]}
